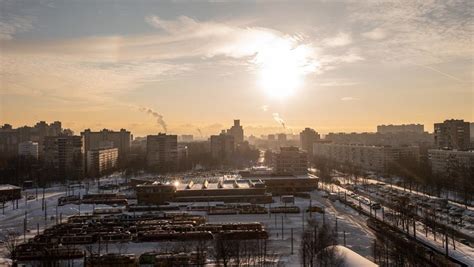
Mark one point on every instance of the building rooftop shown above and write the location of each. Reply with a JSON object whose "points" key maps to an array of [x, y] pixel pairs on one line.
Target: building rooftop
{"points": [[8, 187]]}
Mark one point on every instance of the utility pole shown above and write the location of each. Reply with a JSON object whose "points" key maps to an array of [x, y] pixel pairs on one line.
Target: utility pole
{"points": [[446, 238], [45, 215], [291, 241], [282, 237]]}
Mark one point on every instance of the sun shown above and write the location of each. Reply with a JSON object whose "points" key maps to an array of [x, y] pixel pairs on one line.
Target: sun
{"points": [[281, 69], [280, 80]]}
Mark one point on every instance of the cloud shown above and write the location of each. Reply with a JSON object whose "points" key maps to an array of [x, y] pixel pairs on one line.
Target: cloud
{"points": [[375, 34], [12, 24], [341, 39], [98, 69], [335, 83], [349, 98], [421, 32]]}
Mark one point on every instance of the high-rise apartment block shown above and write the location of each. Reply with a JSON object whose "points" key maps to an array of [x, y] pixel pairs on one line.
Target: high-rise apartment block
{"points": [[307, 138], [106, 138], [222, 146], [28, 149], [10, 138], [452, 134], [237, 132], [64, 156], [101, 160], [162, 152]]}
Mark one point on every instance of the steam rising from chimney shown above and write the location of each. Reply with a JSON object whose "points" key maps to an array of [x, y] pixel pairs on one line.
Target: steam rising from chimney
{"points": [[278, 119], [159, 117]]}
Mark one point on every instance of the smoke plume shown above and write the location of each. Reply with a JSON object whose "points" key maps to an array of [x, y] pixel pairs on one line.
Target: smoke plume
{"points": [[159, 117], [278, 119], [199, 131]]}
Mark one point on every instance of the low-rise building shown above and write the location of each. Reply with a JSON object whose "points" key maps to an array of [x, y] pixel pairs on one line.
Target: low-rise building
{"points": [[291, 161], [9, 192], [223, 191]]}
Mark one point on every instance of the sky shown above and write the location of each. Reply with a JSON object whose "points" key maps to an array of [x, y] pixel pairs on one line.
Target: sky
{"points": [[191, 67]]}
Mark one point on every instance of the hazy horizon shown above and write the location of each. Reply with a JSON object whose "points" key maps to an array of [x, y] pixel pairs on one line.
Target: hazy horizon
{"points": [[332, 66]]}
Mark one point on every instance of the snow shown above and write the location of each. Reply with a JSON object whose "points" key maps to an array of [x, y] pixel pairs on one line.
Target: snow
{"points": [[462, 252], [352, 259]]}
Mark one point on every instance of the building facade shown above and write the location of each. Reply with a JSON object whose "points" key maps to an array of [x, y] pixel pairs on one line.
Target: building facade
{"points": [[443, 162], [402, 128], [222, 146], [28, 149], [307, 138], [9, 192], [452, 134], [237, 132], [101, 160], [372, 158], [64, 156], [10, 137], [101, 139], [291, 161], [162, 152], [424, 139]]}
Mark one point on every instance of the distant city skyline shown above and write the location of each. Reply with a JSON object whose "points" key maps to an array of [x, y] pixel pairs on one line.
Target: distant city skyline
{"points": [[148, 66], [249, 130]]}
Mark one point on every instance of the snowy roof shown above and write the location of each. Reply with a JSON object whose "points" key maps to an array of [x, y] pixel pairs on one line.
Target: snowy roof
{"points": [[352, 259], [8, 187]]}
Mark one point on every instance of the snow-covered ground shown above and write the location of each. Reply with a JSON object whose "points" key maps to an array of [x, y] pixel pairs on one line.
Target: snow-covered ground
{"points": [[462, 252], [358, 236]]}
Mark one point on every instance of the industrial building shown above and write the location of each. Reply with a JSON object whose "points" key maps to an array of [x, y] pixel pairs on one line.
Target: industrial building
{"points": [[250, 190]]}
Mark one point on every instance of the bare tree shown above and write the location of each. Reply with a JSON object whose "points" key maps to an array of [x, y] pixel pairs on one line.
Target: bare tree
{"points": [[317, 246], [10, 239]]}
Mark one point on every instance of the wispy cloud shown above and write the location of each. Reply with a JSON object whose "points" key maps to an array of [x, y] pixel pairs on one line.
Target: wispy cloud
{"points": [[341, 39], [13, 24], [421, 32], [375, 34]]}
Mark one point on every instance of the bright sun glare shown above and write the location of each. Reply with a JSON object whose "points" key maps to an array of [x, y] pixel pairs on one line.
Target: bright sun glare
{"points": [[282, 69]]}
